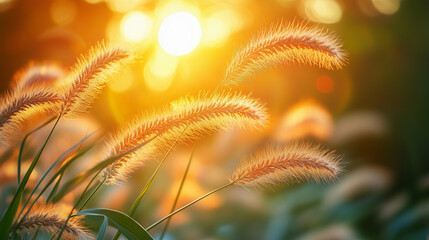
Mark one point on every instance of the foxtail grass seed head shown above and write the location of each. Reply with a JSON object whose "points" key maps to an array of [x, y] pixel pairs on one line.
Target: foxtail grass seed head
{"points": [[295, 162], [19, 105], [89, 75], [49, 220], [286, 44], [199, 116], [37, 74]]}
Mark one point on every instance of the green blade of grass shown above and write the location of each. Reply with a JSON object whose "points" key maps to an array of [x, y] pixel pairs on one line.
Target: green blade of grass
{"points": [[131, 229], [36, 234], [188, 205], [114, 158], [55, 188], [62, 170], [82, 196], [164, 230], [45, 175], [21, 149], [7, 220], [103, 227], [90, 195], [149, 182], [81, 177], [55, 163]]}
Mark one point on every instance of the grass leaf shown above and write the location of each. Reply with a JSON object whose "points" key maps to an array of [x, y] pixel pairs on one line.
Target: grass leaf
{"points": [[164, 230], [52, 166], [7, 220], [124, 223], [52, 179], [21, 149], [103, 227], [64, 168], [81, 177]]}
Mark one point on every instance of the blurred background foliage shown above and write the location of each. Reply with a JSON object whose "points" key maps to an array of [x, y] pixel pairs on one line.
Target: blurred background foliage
{"points": [[374, 112]]}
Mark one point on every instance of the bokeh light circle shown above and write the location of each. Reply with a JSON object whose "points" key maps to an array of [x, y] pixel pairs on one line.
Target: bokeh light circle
{"points": [[323, 11], [179, 33], [136, 26]]}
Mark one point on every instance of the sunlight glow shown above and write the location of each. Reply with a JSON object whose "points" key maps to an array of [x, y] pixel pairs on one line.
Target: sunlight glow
{"points": [[136, 26], [123, 83], [216, 31], [159, 71], [307, 118], [324, 84], [123, 5], [236, 20], [94, 1], [179, 33], [63, 12], [323, 11], [5, 5], [387, 7]]}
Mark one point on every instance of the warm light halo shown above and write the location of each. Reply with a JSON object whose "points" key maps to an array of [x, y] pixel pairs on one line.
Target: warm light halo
{"points": [[179, 33], [136, 26]]}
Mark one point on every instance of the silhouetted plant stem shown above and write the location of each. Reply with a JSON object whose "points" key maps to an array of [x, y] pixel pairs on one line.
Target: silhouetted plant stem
{"points": [[18, 195], [21, 149], [164, 230], [149, 182], [80, 199], [188, 205]]}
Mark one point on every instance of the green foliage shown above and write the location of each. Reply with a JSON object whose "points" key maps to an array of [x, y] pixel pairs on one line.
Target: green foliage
{"points": [[124, 223], [7, 220], [83, 176]]}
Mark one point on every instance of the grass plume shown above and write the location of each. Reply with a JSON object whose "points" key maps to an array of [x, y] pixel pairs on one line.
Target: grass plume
{"points": [[50, 219], [19, 105], [89, 76], [286, 44], [273, 165], [37, 74], [297, 162], [200, 115]]}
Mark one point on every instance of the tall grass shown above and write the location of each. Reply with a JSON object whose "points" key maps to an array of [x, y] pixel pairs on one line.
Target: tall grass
{"points": [[89, 76], [149, 136], [286, 44], [199, 116], [50, 219]]}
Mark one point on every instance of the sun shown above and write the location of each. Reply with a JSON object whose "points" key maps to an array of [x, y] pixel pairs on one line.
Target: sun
{"points": [[179, 33]]}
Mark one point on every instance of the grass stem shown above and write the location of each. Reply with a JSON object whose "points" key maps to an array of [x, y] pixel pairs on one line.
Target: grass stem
{"points": [[21, 149], [149, 182], [188, 205], [80, 199], [164, 230]]}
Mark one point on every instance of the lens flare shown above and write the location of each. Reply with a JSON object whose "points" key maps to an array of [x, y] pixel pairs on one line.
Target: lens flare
{"points": [[159, 71], [122, 5], [63, 12], [325, 84], [307, 118], [323, 11], [123, 83], [179, 33], [136, 26], [216, 31], [387, 7]]}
